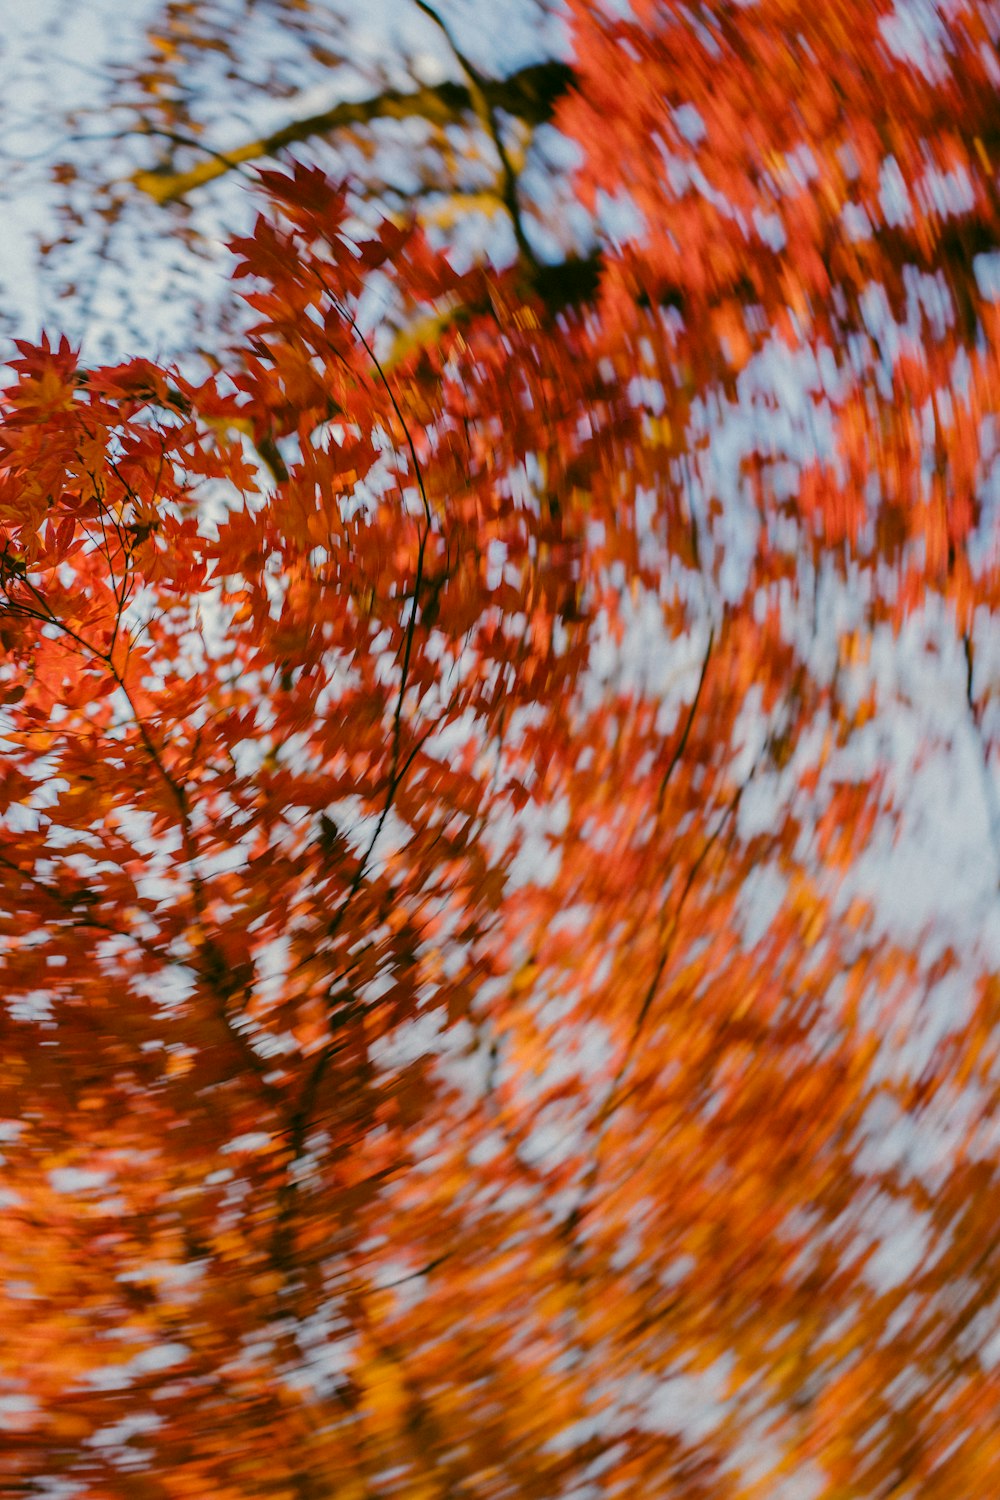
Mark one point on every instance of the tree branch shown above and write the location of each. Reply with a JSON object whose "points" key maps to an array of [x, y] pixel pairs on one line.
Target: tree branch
{"points": [[530, 94], [484, 110]]}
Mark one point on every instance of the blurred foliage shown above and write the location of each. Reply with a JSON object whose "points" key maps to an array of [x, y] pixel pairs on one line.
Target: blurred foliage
{"points": [[466, 1030]]}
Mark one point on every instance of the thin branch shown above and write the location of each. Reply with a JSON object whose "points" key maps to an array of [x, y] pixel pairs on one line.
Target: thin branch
{"points": [[394, 774], [225, 161], [487, 117], [987, 782], [689, 721], [304, 1110], [69, 904]]}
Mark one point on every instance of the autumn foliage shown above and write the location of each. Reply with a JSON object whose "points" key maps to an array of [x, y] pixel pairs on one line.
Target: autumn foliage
{"points": [[444, 1049]]}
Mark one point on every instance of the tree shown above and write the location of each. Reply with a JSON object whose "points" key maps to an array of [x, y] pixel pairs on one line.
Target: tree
{"points": [[448, 1047]]}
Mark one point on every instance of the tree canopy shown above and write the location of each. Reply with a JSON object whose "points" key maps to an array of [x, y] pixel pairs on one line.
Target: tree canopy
{"points": [[453, 1042]]}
